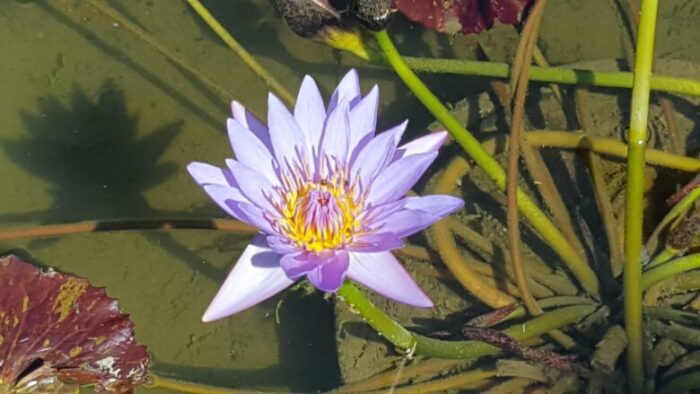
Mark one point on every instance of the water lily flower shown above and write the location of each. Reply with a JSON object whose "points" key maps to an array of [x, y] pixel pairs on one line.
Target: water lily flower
{"points": [[327, 194]]}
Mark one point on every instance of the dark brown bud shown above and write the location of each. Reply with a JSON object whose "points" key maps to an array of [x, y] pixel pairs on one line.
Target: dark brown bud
{"points": [[310, 18], [374, 15]]}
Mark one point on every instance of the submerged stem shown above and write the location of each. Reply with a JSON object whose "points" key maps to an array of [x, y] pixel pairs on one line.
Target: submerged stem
{"points": [[537, 218], [561, 75], [404, 339], [634, 197], [242, 53]]}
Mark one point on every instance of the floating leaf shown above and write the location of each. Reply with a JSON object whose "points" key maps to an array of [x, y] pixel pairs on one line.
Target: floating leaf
{"points": [[58, 332], [463, 16]]}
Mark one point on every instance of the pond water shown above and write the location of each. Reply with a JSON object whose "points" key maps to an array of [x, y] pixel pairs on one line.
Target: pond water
{"points": [[96, 124]]}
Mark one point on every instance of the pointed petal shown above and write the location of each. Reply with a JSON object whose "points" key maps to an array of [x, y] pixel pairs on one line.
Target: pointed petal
{"points": [[330, 275], [281, 245], [348, 90], [255, 187], [222, 195], [256, 277], [384, 274], [298, 264], [288, 140], [251, 151], [334, 142], [251, 214], [398, 178], [404, 223], [310, 112], [377, 154], [376, 242], [207, 174], [251, 122], [428, 143], [438, 205], [363, 119]]}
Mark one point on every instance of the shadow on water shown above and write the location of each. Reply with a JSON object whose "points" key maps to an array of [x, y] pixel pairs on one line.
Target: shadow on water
{"points": [[90, 153], [123, 58], [308, 359]]}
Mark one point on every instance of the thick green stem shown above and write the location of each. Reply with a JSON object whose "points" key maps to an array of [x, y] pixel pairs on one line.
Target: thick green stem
{"points": [[667, 270], [404, 339], [560, 75], [529, 209], [682, 384], [634, 208]]}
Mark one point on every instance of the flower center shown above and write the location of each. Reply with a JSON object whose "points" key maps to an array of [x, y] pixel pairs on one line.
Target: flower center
{"points": [[319, 215]]}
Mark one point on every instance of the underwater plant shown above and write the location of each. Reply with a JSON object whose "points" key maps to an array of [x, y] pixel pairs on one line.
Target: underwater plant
{"points": [[327, 195]]}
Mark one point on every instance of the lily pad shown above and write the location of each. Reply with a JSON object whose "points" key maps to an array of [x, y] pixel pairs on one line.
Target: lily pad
{"points": [[463, 16], [58, 332]]}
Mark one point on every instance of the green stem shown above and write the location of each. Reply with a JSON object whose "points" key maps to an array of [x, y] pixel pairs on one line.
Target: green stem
{"points": [[667, 270], [404, 339], [529, 209], [634, 208], [562, 75], [246, 57], [682, 384]]}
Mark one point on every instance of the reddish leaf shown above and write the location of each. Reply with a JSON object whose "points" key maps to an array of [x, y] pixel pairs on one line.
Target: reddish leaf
{"points": [[56, 328], [465, 16]]}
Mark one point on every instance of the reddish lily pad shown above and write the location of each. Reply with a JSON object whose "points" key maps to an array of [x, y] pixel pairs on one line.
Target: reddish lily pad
{"points": [[57, 331], [463, 16]]}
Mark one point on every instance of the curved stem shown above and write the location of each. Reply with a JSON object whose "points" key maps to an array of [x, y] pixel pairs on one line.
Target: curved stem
{"points": [[561, 75], [682, 384], [537, 218], [519, 83], [127, 225], [162, 382], [667, 270], [634, 197], [246, 57], [404, 339], [607, 146]]}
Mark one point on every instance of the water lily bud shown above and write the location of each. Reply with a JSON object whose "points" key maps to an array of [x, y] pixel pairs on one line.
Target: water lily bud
{"points": [[319, 21], [374, 15], [310, 18]]}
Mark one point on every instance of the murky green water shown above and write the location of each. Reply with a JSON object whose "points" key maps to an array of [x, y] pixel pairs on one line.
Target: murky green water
{"points": [[96, 124]]}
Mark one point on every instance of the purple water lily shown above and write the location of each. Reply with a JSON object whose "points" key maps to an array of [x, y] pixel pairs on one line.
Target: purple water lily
{"points": [[327, 194]]}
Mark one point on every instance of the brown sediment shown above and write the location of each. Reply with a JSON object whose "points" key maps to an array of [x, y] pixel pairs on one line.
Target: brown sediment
{"points": [[420, 369], [442, 237]]}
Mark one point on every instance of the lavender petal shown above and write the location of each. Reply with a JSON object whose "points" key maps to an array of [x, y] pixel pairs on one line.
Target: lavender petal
{"points": [[223, 195], [363, 120], [334, 142], [384, 274], [377, 154], [331, 274], [252, 123], [438, 205], [398, 178], [207, 174], [348, 90], [376, 242], [310, 112], [256, 277], [251, 151], [429, 143], [288, 140], [255, 187], [298, 264]]}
